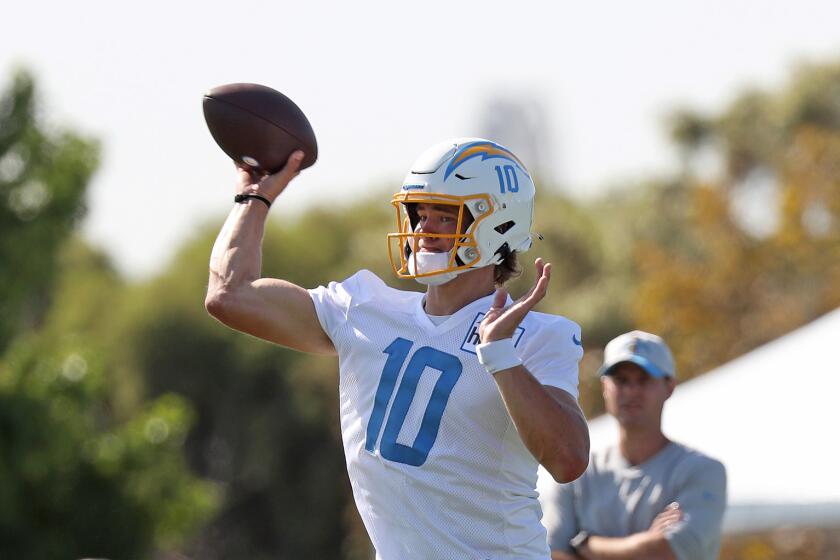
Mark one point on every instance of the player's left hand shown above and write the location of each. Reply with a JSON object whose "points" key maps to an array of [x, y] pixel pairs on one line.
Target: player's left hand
{"points": [[500, 322]]}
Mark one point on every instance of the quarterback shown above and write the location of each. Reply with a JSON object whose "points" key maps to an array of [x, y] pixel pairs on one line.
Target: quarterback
{"points": [[449, 399]]}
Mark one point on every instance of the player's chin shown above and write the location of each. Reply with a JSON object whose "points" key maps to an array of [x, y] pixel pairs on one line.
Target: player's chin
{"points": [[630, 415]]}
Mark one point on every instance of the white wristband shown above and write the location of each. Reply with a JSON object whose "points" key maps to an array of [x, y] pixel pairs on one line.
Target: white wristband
{"points": [[498, 355]]}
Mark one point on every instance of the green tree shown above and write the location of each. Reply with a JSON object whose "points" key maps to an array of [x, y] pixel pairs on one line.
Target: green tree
{"points": [[758, 246], [88, 469], [43, 177], [75, 483]]}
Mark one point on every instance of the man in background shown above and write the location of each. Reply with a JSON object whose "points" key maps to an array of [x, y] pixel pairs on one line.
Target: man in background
{"points": [[645, 496]]}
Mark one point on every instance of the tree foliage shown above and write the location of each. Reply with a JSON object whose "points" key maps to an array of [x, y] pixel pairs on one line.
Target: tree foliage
{"points": [[82, 479], [726, 284], [43, 177], [83, 475]]}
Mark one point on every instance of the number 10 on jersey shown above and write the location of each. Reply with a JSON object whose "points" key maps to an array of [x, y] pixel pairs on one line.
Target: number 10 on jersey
{"points": [[424, 358]]}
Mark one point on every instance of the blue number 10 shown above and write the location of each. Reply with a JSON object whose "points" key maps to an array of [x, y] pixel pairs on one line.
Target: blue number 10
{"points": [[450, 370], [508, 179]]}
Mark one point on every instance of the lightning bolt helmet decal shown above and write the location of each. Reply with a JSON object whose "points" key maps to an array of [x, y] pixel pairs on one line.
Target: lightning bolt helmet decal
{"points": [[485, 149]]}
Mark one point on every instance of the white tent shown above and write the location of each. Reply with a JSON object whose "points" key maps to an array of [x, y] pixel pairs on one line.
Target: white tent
{"points": [[772, 417]]}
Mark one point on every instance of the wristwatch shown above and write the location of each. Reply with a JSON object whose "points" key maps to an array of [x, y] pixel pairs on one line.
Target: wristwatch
{"points": [[578, 541]]}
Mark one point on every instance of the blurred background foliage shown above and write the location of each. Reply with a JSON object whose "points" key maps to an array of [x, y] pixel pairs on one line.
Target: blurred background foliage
{"points": [[132, 425]]}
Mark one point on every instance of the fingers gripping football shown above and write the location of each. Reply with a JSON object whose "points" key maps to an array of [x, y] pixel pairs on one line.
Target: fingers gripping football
{"points": [[269, 186]]}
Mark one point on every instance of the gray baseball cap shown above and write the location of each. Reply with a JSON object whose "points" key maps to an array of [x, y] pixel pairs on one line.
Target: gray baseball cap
{"points": [[643, 349]]}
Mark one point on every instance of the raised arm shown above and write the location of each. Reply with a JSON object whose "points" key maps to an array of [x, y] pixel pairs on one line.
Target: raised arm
{"points": [[548, 419], [237, 295]]}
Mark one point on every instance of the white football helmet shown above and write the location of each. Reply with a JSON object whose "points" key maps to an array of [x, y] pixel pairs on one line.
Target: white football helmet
{"points": [[494, 196]]}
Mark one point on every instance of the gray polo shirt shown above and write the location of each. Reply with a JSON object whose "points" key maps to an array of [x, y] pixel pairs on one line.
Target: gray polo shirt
{"points": [[616, 499]]}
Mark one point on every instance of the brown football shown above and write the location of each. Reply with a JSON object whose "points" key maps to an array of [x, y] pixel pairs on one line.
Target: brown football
{"points": [[258, 126]]}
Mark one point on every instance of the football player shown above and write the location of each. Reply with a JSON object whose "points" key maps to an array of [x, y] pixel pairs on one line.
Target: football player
{"points": [[448, 399]]}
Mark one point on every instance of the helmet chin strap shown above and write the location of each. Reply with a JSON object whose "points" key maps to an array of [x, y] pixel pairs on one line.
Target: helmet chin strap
{"points": [[427, 263]]}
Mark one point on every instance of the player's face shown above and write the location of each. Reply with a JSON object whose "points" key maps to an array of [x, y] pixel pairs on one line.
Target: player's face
{"points": [[436, 219], [634, 397]]}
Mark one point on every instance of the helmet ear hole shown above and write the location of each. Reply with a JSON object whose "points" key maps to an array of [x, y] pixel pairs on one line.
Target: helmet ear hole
{"points": [[502, 228], [503, 251]]}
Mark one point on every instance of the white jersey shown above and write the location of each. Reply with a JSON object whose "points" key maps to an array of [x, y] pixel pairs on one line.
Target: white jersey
{"points": [[437, 467]]}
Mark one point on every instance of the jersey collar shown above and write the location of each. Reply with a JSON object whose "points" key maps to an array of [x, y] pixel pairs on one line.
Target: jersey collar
{"points": [[467, 312]]}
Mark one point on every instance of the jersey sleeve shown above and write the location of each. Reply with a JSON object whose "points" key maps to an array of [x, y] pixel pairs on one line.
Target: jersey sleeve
{"points": [[333, 302], [702, 498], [552, 354]]}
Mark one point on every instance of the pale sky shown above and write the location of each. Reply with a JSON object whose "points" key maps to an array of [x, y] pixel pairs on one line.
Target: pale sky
{"points": [[380, 82]]}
